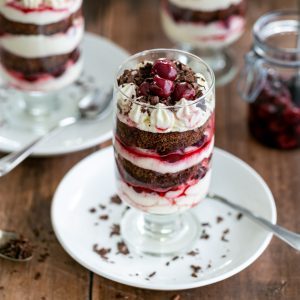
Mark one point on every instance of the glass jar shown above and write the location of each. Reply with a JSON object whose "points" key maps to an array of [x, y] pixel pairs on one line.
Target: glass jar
{"points": [[270, 81]]}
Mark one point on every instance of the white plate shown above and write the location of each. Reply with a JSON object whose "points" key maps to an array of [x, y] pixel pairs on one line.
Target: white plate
{"points": [[102, 58], [78, 229]]}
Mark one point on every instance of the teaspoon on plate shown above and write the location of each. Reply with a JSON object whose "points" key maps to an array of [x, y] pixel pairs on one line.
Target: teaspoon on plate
{"points": [[93, 106]]}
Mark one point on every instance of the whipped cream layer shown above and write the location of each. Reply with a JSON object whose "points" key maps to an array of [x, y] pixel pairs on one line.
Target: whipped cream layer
{"points": [[33, 46], [186, 197], [46, 83], [205, 5], [59, 11], [184, 116], [200, 35], [145, 159]]}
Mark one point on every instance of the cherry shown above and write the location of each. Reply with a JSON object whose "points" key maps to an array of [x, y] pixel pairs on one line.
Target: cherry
{"points": [[184, 90], [161, 87], [165, 69], [144, 89]]}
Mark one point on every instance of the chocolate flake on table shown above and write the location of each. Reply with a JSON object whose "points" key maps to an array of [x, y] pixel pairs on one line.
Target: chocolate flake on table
{"points": [[219, 220], [102, 251], [209, 266], [175, 258], [176, 297], [125, 210], [121, 296], [122, 248], [115, 230], [104, 217], [1, 288], [17, 248], [196, 270], [193, 253], [101, 206], [224, 256], [239, 216], [223, 238], [151, 275], [204, 235], [43, 256], [92, 210], [116, 200], [205, 224], [37, 276]]}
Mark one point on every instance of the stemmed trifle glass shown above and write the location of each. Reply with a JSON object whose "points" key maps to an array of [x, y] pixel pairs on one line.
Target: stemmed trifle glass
{"points": [[40, 56], [163, 142], [206, 28]]}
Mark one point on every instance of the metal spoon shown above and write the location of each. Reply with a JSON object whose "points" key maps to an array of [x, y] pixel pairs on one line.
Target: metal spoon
{"points": [[5, 237], [289, 237], [94, 106]]}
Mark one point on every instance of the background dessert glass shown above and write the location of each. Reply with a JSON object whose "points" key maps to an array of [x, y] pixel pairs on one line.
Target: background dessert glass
{"points": [[206, 28], [163, 159], [39, 57], [270, 81]]}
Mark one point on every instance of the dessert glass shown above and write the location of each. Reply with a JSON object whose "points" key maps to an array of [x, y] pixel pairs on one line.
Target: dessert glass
{"points": [[40, 56], [206, 28], [163, 160], [270, 81]]}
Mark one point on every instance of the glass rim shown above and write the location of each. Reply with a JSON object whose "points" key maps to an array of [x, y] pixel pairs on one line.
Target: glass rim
{"points": [[269, 18], [143, 53]]}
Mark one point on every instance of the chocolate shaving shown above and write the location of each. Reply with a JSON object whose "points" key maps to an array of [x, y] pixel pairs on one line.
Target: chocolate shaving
{"points": [[223, 238], [152, 274], [102, 206], [219, 220], [193, 253], [17, 248], [122, 248], [176, 297], [205, 224], [104, 217], [102, 251], [116, 200], [204, 235], [92, 210], [42, 258], [239, 216], [37, 276], [115, 230], [175, 258]]}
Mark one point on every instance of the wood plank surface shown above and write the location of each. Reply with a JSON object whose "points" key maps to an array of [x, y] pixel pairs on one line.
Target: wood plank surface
{"points": [[26, 193]]}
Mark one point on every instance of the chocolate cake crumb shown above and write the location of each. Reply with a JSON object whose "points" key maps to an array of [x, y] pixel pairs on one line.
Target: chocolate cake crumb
{"points": [[175, 258], [104, 217], [193, 253], [42, 258], [17, 248], [209, 266], [205, 224], [219, 220], [204, 235], [223, 238], [92, 210], [226, 231], [102, 206], [152, 274], [167, 263], [224, 256], [122, 248], [102, 251], [115, 230], [37, 276], [196, 270], [1, 288], [176, 297], [194, 275], [121, 296], [239, 216], [116, 200]]}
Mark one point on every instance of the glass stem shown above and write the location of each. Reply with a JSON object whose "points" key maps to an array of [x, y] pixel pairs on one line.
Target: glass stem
{"points": [[161, 227]]}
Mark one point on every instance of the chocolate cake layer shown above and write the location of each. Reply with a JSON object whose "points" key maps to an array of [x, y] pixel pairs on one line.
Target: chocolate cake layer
{"points": [[152, 180], [54, 65], [11, 27], [180, 14], [162, 143]]}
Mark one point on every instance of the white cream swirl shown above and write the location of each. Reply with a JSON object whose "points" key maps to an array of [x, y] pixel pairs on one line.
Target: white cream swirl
{"points": [[205, 5], [184, 116]]}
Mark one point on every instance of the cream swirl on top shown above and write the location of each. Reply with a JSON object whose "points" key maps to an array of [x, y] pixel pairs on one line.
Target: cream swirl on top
{"points": [[205, 5], [185, 115]]}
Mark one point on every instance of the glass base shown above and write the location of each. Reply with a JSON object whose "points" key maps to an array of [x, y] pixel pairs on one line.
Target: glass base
{"points": [[159, 235], [220, 60], [37, 112]]}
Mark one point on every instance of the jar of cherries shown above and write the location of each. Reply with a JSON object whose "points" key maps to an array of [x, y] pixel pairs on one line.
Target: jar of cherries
{"points": [[270, 81]]}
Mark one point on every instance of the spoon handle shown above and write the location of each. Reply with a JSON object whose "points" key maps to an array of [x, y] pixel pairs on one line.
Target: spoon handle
{"points": [[291, 238], [12, 160]]}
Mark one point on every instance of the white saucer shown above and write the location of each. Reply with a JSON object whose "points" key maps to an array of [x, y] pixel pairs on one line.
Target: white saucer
{"points": [[78, 229], [102, 58]]}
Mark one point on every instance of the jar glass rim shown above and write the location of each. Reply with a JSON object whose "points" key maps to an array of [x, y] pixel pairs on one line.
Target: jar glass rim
{"points": [[166, 50]]}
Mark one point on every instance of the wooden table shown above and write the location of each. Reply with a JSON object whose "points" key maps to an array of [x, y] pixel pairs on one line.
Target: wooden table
{"points": [[26, 193]]}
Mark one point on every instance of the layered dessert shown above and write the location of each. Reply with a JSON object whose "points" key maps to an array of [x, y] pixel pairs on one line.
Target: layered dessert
{"points": [[204, 24], [40, 43], [274, 117], [164, 136]]}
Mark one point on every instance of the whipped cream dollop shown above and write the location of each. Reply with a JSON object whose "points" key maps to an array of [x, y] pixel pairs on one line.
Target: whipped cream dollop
{"points": [[205, 5], [185, 115], [56, 4]]}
